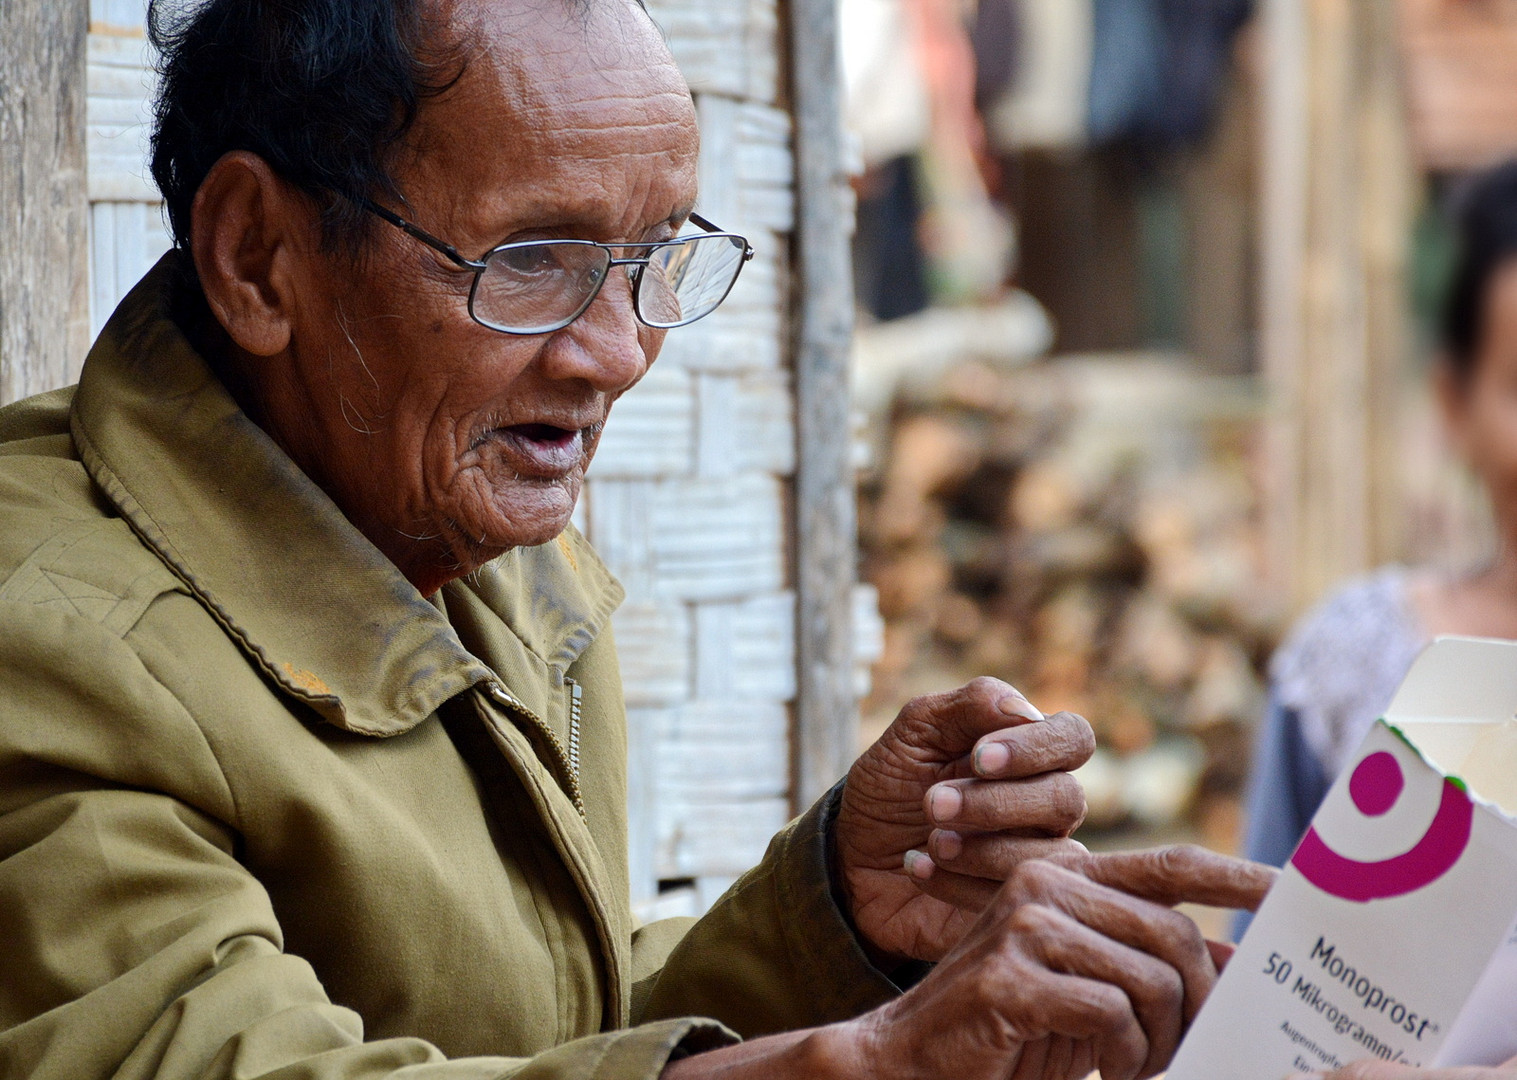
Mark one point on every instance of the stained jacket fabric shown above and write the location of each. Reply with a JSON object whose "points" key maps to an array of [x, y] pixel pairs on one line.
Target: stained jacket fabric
{"points": [[265, 811]]}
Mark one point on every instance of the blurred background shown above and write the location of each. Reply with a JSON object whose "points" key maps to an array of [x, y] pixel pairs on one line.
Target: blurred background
{"points": [[1147, 294]]}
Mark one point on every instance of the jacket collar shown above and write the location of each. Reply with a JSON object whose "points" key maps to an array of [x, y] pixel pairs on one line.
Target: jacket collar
{"points": [[310, 600]]}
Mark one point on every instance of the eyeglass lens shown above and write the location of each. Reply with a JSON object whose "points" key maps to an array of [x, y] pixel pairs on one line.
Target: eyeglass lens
{"points": [[537, 288], [685, 281]]}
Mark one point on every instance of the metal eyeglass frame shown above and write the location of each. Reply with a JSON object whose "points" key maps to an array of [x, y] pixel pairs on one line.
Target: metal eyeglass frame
{"points": [[480, 265]]}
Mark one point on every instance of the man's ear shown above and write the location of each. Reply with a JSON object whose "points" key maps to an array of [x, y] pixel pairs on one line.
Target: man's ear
{"points": [[249, 232]]}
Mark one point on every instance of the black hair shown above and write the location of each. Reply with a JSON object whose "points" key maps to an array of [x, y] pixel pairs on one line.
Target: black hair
{"points": [[1486, 241], [322, 90]]}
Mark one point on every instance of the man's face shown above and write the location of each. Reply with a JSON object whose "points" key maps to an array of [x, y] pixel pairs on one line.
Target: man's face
{"points": [[447, 443]]}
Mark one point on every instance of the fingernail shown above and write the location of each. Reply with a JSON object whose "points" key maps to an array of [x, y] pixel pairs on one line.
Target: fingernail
{"points": [[991, 758], [945, 802], [1014, 705], [947, 845], [918, 865]]}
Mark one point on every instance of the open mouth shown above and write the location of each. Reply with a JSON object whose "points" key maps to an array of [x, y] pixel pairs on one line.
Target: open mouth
{"points": [[545, 435], [542, 451]]}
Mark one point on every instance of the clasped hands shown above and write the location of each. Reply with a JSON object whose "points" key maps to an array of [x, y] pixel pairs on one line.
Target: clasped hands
{"points": [[951, 845]]}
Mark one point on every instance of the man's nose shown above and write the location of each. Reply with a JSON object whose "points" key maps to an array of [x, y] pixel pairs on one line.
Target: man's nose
{"points": [[602, 346]]}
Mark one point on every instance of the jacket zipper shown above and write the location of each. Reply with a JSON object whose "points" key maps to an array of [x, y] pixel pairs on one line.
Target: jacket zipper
{"points": [[565, 762], [576, 693]]}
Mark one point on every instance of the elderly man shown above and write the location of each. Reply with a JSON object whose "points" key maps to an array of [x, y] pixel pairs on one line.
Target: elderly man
{"points": [[312, 747]]}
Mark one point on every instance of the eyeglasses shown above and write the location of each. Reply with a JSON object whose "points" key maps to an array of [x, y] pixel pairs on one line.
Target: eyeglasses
{"points": [[539, 286]]}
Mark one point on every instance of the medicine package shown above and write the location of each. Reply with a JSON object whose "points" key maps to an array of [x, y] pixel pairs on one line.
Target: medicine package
{"points": [[1392, 932]]}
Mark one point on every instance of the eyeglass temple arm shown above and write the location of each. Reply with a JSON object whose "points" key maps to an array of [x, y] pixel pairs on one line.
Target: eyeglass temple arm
{"points": [[452, 253], [702, 223], [418, 232]]}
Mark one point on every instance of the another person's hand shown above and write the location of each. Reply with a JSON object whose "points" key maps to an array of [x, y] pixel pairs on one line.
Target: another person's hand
{"points": [[960, 790], [1068, 970], [1382, 1070]]}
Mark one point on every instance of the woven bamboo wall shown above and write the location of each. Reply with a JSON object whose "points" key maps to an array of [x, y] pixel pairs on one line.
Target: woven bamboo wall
{"points": [[689, 497]]}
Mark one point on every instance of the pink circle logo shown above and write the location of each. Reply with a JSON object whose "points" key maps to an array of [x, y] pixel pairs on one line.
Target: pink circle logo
{"points": [[1375, 786]]}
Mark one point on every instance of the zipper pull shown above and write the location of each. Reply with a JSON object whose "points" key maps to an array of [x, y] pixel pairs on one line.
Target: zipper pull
{"points": [[576, 694], [563, 763]]}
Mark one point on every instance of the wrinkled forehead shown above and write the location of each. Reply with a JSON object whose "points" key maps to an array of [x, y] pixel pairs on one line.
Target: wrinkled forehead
{"points": [[569, 109]]}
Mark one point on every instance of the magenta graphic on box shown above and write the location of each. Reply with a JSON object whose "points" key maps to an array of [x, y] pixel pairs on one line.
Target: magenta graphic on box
{"points": [[1375, 786]]}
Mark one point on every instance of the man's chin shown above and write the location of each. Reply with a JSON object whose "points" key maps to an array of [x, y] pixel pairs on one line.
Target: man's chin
{"points": [[540, 521]]}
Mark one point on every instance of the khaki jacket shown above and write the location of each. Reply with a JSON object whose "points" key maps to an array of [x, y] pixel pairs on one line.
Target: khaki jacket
{"points": [[265, 811]]}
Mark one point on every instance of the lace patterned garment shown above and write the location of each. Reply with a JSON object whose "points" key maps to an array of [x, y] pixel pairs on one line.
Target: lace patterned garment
{"points": [[1341, 666]]}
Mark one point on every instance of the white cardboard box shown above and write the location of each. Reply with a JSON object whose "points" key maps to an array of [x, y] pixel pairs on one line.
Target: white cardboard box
{"points": [[1392, 933]]}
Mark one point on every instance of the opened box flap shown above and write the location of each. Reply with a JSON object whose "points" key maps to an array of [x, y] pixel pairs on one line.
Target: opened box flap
{"points": [[1458, 707]]}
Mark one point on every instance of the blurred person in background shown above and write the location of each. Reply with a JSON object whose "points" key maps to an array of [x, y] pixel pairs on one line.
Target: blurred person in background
{"points": [[889, 116], [1336, 673]]}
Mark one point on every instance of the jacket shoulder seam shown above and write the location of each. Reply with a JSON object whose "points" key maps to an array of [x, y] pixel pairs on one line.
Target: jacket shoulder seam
{"points": [[140, 669], [45, 578]]}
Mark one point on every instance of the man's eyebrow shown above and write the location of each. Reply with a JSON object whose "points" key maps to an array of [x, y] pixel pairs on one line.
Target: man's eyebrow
{"points": [[680, 215]]}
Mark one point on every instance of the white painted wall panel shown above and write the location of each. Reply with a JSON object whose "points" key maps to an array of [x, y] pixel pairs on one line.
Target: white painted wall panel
{"points": [[655, 644], [718, 539], [126, 239], [118, 15], [119, 81], [745, 650], [724, 47], [127, 231], [766, 422]]}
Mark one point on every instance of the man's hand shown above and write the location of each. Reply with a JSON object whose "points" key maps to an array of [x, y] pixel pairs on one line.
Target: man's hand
{"points": [[959, 791], [1073, 966], [1380, 1070], [1069, 969]]}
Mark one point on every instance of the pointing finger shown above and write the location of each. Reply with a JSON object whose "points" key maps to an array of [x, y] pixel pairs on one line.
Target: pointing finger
{"points": [[1184, 873]]}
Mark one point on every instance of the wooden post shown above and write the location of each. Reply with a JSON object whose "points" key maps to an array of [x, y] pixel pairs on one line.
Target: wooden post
{"points": [[826, 714], [1390, 186], [1336, 193], [44, 242]]}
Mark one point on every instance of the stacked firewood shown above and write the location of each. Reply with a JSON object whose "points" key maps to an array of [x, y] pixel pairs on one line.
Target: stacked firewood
{"points": [[1087, 529]]}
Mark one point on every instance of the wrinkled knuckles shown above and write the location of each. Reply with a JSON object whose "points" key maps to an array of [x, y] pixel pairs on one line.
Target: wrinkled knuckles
{"points": [[1067, 803], [1082, 736], [985, 692], [997, 988], [1183, 934], [1163, 988], [1035, 879], [1035, 924], [1107, 1013], [1178, 927], [1182, 861], [917, 722]]}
